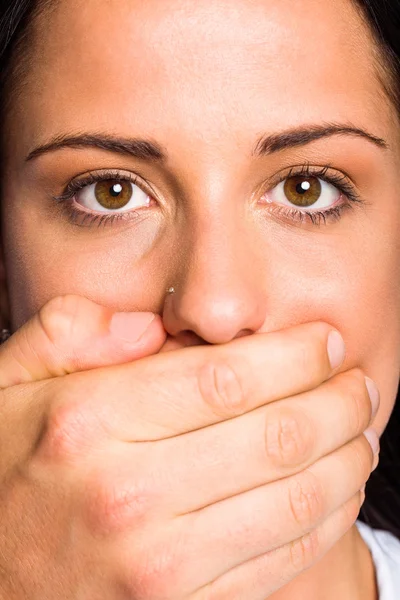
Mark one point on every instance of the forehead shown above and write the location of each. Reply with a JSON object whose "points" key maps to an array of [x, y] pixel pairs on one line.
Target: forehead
{"points": [[204, 68]]}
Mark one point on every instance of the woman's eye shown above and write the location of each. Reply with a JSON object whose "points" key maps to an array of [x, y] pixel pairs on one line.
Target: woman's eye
{"points": [[302, 191], [112, 195]]}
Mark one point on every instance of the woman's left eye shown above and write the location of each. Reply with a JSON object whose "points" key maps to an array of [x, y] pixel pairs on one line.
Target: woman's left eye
{"points": [[303, 192], [112, 195]]}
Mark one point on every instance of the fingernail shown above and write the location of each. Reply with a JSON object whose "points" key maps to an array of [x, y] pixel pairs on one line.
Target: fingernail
{"points": [[373, 439], [336, 349], [373, 394], [130, 327]]}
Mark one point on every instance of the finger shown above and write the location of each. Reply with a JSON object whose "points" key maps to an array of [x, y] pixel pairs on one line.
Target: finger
{"points": [[229, 533], [269, 572], [72, 333], [264, 445], [184, 390]]}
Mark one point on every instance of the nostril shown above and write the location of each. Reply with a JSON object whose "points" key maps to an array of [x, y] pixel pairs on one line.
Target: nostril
{"points": [[189, 338], [243, 333]]}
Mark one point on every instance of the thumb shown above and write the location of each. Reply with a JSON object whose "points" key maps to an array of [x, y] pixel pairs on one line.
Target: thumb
{"points": [[71, 333]]}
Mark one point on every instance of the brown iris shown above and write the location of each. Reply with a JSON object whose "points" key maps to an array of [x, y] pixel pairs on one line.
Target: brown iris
{"points": [[113, 193], [301, 190]]}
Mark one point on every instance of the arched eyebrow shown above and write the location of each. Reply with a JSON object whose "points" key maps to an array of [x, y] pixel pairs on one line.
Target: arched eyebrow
{"points": [[300, 136], [136, 147], [151, 150]]}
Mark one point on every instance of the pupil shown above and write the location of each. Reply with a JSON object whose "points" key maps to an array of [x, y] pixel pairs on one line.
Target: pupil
{"points": [[116, 189], [302, 187]]}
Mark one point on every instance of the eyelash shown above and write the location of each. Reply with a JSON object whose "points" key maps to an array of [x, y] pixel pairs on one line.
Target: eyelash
{"points": [[340, 181], [81, 217]]}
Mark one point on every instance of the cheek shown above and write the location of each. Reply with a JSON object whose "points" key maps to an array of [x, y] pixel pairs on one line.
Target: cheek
{"points": [[352, 281], [123, 268]]}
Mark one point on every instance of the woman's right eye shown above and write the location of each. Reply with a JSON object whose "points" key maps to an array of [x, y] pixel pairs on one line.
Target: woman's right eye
{"points": [[112, 196]]}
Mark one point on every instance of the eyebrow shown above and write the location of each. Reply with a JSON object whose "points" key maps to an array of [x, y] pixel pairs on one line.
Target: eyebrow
{"points": [[138, 148], [151, 150], [299, 136]]}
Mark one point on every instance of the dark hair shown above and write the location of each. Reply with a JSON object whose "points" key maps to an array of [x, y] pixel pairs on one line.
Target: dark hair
{"points": [[381, 508]]}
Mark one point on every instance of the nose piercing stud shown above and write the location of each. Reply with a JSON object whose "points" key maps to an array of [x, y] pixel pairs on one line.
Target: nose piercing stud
{"points": [[4, 335], [171, 290]]}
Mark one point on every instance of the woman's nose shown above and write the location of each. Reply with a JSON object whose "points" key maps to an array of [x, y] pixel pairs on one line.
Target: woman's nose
{"points": [[220, 295]]}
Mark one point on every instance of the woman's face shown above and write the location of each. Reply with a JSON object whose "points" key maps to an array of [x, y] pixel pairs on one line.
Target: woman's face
{"points": [[185, 96]]}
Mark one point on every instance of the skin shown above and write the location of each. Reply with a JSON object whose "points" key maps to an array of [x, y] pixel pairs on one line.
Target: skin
{"points": [[205, 80]]}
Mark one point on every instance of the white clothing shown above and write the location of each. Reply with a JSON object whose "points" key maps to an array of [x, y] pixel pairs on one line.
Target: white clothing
{"points": [[385, 550]]}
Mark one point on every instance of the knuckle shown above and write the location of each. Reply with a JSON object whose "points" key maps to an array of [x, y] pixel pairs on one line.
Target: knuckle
{"points": [[304, 551], [157, 573], [112, 505], [306, 500], [289, 439], [68, 431], [58, 318], [221, 388]]}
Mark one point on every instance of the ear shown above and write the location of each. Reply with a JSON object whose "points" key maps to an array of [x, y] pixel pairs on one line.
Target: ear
{"points": [[4, 301]]}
